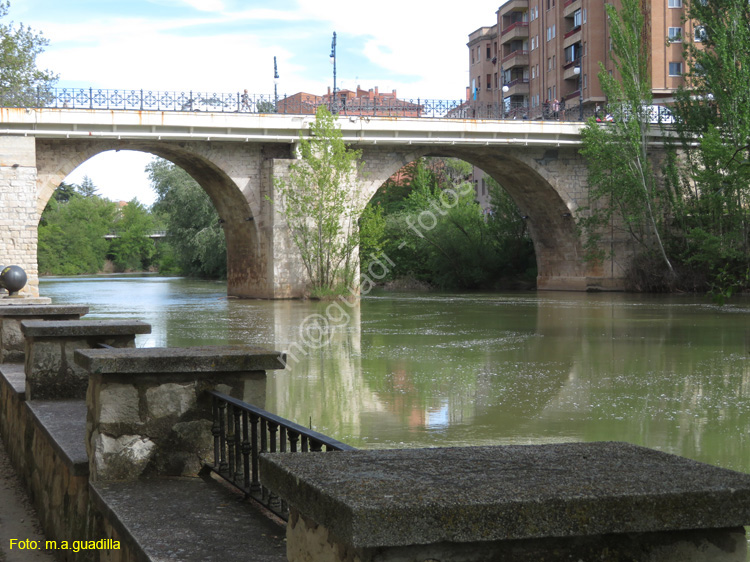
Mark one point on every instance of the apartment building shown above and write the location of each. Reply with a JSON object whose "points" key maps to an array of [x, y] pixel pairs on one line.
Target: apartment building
{"points": [[539, 51], [370, 102]]}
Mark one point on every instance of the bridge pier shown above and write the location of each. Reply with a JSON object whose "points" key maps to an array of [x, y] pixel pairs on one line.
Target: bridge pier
{"points": [[18, 217]]}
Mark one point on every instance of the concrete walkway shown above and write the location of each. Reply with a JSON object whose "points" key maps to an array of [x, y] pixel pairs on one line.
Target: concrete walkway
{"points": [[18, 518]]}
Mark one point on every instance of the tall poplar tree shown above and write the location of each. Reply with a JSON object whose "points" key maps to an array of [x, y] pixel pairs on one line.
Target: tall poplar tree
{"points": [[622, 183], [320, 208], [714, 125]]}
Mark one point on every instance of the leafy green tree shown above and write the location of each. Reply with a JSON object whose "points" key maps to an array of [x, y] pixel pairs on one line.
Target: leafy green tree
{"points": [[622, 181], [428, 224], [133, 249], [194, 234], [65, 192], [320, 209], [713, 112], [22, 84], [72, 235]]}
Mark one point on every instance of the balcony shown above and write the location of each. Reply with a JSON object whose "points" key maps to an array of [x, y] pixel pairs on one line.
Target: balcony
{"points": [[570, 7], [516, 58], [518, 30], [514, 6], [569, 70], [572, 36], [518, 87]]}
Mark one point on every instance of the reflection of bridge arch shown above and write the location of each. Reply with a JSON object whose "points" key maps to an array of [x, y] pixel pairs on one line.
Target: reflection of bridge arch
{"points": [[237, 157]]}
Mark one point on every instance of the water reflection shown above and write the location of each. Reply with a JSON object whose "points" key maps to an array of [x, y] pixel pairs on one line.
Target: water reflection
{"points": [[428, 370]]}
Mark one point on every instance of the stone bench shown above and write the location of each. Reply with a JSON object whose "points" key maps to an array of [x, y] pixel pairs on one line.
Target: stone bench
{"points": [[588, 501], [12, 342], [148, 408], [51, 373]]}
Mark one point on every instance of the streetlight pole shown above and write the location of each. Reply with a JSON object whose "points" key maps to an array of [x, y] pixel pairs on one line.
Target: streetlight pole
{"points": [[579, 70], [275, 86], [333, 61]]}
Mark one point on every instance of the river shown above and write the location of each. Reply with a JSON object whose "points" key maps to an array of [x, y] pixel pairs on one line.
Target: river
{"points": [[434, 369]]}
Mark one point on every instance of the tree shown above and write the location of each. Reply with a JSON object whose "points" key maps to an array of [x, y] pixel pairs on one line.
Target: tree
{"points": [[319, 206], [133, 248], [713, 110], [87, 187], [22, 84], [622, 181], [193, 229], [71, 235]]}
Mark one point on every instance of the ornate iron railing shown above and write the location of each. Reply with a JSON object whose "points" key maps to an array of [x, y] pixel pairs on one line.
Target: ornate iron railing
{"points": [[242, 432], [299, 104]]}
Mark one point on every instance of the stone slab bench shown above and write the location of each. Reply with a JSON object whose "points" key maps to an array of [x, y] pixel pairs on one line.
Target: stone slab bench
{"points": [[149, 412], [590, 501], [186, 519], [51, 373], [12, 342], [63, 422]]}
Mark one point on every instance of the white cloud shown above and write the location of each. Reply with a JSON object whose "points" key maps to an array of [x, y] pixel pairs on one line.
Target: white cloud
{"points": [[119, 176], [417, 48]]}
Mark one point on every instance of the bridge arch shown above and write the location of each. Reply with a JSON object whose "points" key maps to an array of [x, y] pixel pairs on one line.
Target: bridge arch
{"points": [[246, 271], [546, 184]]}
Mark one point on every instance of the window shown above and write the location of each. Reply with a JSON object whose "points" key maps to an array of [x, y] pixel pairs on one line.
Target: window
{"points": [[489, 81], [533, 72], [584, 15], [675, 35], [497, 83], [700, 33], [675, 3], [577, 18], [489, 52], [675, 69], [550, 33]]}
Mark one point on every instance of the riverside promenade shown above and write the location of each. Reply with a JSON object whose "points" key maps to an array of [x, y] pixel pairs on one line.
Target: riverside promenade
{"points": [[136, 465]]}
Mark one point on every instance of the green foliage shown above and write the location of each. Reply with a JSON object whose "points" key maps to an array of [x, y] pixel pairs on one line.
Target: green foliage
{"points": [[86, 187], [133, 250], [622, 182], [194, 234], [71, 235], [713, 111], [437, 234], [22, 84], [320, 209]]}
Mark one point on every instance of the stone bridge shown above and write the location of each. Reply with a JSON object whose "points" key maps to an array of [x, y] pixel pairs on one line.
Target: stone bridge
{"points": [[235, 158]]}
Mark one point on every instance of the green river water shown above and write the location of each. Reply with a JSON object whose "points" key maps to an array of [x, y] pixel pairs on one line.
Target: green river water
{"points": [[427, 369]]}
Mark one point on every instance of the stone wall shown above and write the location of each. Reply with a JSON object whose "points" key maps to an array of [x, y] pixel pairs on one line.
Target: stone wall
{"points": [[18, 215], [57, 484]]}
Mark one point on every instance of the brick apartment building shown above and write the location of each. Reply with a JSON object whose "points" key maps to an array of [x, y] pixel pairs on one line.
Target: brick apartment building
{"points": [[370, 102], [546, 50], [550, 49]]}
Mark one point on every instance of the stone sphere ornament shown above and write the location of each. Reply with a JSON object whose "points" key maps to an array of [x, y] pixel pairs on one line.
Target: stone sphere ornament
{"points": [[13, 278]]}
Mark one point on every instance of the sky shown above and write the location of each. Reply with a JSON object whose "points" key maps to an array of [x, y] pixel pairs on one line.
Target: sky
{"points": [[416, 47]]}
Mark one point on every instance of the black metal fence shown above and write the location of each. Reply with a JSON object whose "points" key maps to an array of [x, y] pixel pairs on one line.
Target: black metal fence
{"points": [[298, 104], [242, 432]]}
